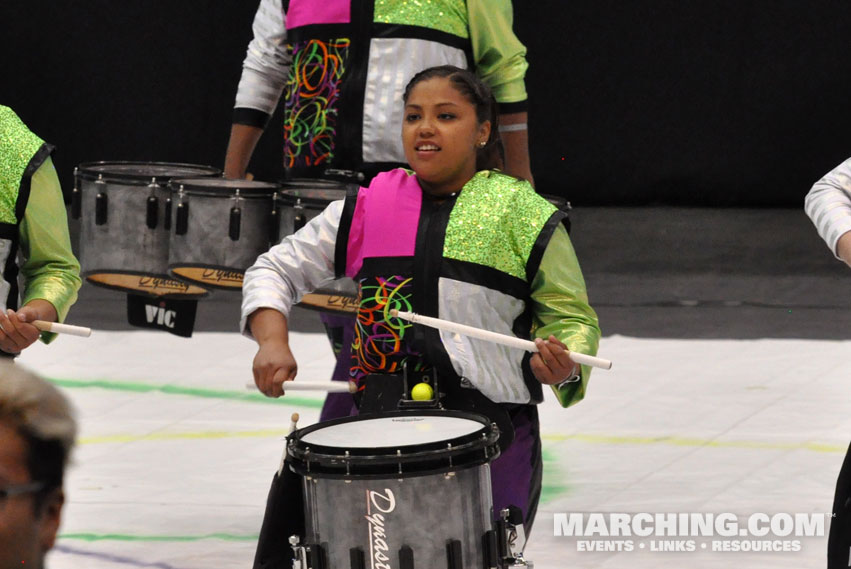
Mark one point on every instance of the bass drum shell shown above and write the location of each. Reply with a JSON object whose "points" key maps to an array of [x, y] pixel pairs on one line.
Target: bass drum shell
{"points": [[119, 249]]}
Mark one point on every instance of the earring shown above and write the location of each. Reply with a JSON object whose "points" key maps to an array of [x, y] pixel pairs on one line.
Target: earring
{"points": [[482, 144]]}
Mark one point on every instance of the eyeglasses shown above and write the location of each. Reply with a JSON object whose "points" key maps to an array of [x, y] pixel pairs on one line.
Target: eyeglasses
{"points": [[18, 489]]}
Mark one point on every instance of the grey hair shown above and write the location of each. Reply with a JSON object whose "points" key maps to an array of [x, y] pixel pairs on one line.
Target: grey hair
{"points": [[42, 415]]}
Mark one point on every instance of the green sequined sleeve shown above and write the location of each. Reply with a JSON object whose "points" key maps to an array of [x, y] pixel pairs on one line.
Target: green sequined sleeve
{"points": [[499, 55], [561, 308], [50, 271]]}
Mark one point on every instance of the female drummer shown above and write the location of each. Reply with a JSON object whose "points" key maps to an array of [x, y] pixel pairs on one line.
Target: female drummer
{"points": [[454, 239]]}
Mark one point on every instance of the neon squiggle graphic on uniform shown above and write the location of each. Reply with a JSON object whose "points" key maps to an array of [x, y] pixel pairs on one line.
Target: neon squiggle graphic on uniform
{"points": [[378, 346], [312, 94]]}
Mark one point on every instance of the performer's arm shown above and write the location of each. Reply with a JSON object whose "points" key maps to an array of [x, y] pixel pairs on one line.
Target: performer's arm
{"points": [[501, 63], [828, 205], [300, 264], [561, 309], [50, 271], [264, 75]]}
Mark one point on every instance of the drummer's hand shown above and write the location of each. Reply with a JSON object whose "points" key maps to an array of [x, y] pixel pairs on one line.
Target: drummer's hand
{"points": [[552, 364], [17, 332], [273, 365]]}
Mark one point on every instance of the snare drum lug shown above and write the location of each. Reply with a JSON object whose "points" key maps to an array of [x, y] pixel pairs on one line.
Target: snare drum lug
{"points": [[357, 558], [167, 220], [235, 222], [399, 455], [153, 210], [454, 559], [274, 225], [76, 198], [348, 465], [406, 557], [182, 222], [101, 203], [299, 219]]}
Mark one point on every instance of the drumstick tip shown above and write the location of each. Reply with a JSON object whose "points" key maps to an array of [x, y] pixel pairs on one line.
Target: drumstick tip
{"points": [[294, 418], [394, 312], [353, 387]]}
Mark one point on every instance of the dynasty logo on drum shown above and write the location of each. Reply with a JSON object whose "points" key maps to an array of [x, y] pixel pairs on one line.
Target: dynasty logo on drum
{"points": [[216, 275], [157, 283], [377, 506]]}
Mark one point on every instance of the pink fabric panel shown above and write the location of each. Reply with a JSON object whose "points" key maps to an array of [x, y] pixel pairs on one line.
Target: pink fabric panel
{"points": [[306, 12], [390, 209]]}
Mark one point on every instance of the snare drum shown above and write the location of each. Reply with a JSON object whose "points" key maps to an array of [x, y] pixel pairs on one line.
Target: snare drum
{"points": [[219, 227], [124, 228], [299, 202], [414, 484]]}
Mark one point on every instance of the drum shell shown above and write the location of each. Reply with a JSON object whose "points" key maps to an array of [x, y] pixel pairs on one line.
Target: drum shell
{"points": [[207, 254], [306, 199], [428, 512], [124, 253]]}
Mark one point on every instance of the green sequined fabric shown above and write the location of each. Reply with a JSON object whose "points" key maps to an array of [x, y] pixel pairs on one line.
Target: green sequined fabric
{"points": [[17, 147], [448, 16], [495, 222]]}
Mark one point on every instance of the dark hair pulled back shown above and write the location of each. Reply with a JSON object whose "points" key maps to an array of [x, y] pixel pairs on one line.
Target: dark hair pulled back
{"points": [[479, 94]]}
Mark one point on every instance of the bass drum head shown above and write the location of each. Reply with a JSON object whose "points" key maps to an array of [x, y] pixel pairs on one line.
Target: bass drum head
{"points": [[396, 444]]}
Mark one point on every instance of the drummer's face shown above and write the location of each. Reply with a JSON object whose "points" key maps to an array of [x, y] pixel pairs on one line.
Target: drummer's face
{"points": [[440, 134]]}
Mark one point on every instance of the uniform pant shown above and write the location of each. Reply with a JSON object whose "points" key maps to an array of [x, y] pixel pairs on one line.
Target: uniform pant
{"points": [[839, 539]]}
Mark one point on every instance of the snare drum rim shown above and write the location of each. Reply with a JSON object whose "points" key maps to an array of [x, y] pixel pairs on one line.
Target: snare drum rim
{"points": [[223, 187], [287, 197], [467, 451], [86, 171]]}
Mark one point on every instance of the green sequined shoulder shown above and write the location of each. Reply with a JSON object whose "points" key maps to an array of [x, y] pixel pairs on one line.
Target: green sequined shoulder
{"points": [[495, 222], [17, 147]]}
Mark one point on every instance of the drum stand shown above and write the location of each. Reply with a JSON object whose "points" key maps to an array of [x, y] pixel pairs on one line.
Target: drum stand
{"points": [[511, 539]]}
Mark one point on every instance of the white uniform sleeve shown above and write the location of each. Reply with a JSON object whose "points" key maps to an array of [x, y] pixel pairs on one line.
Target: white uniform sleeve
{"points": [[266, 64], [828, 204], [298, 265]]}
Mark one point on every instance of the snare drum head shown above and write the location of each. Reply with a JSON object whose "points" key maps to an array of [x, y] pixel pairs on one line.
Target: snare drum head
{"points": [[394, 443], [395, 432]]}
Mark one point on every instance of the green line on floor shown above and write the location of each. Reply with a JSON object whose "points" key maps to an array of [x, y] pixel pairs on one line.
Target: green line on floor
{"points": [[186, 391], [553, 485]]}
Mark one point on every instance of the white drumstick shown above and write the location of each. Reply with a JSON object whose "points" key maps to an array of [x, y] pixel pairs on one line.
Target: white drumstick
{"points": [[510, 341], [58, 328], [329, 386]]}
